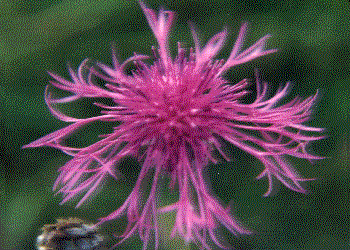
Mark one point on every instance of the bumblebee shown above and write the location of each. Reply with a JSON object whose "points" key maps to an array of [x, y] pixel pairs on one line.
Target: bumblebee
{"points": [[69, 234]]}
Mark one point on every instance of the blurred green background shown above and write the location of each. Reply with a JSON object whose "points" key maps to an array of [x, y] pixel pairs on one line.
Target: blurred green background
{"points": [[313, 38]]}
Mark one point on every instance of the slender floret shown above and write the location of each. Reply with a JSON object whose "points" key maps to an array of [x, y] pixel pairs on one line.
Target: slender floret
{"points": [[173, 114]]}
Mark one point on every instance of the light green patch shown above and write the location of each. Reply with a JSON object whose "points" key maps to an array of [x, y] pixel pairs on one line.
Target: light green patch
{"points": [[166, 223], [54, 24], [32, 107]]}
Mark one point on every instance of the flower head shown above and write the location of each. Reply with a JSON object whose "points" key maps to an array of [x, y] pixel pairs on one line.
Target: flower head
{"points": [[173, 113]]}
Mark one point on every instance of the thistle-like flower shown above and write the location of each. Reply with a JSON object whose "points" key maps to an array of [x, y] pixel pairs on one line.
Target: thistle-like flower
{"points": [[172, 115]]}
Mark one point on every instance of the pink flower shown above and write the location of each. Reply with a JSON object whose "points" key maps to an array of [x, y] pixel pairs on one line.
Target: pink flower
{"points": [[173, 114]]}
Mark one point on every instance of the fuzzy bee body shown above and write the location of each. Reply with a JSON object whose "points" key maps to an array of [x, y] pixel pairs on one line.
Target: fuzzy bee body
{"points": [[69, 234]]}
